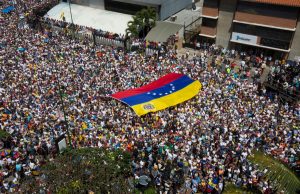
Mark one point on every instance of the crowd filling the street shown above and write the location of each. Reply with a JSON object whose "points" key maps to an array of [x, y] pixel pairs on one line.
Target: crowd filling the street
{"points": [[197, 146]]}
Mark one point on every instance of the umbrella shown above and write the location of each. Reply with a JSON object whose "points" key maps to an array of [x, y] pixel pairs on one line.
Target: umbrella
{"points": [[8, 9], [21, 49]]}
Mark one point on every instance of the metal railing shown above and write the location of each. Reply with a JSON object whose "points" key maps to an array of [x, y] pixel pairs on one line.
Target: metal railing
{"points": [[99, 40], [192, 29]]}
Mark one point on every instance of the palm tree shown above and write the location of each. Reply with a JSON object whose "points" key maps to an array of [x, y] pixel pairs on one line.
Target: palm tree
{"points": [[142, 22], [281, 177], [133, 29]]}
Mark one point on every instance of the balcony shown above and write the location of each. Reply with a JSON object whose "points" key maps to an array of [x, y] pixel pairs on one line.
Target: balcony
{"points": [[209, 32], [265, 21], [270, 16], [210, 12]]}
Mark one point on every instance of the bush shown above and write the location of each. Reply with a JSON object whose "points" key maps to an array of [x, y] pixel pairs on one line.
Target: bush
{"points": [[83, 170], [4, 134]]}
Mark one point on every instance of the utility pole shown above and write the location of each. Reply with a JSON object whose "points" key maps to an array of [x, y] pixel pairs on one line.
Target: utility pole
{"points": [[62, 103], [72, 22], [64, 112], [71, 12]]}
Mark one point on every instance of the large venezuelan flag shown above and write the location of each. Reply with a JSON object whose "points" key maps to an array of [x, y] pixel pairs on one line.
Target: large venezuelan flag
{"points": [[167, 91]]}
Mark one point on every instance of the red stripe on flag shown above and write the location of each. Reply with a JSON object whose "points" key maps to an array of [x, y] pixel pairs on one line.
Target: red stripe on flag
{"points": [[152, 86]]}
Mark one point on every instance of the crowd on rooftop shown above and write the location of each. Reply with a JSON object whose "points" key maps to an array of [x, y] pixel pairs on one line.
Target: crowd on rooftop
{"points": [[197, 146]]}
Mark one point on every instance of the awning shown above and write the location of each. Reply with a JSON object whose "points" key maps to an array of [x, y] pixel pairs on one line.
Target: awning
{"points": [[208, 32], [261, 46], [162, 31], [293, 3]]}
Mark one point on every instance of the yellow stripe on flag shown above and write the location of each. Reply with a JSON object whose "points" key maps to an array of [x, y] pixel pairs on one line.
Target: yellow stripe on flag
{"points": [[157, 104]]}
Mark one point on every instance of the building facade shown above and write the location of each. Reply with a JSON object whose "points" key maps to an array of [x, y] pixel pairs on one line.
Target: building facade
{"points": [[164, 8], [268, 26], [99, 4]]}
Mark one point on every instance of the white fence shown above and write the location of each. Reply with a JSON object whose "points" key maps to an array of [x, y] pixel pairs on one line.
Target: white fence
{"points": [[107, 41]]}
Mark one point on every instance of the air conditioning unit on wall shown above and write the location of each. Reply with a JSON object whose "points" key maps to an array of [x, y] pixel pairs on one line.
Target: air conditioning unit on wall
{"points": [[173, 18]]}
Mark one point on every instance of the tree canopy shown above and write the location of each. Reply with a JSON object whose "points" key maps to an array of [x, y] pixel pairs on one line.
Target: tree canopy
{"points": [[279, 175], [83, 170], [4, 134], [142, 22]]}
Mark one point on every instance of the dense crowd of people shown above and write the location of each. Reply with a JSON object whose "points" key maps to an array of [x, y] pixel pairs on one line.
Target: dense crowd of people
{"points": [[197, 146]]}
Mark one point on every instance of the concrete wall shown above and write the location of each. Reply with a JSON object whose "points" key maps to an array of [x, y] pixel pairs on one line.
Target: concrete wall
{"points": [[295, 47], [226, 13], [170, 7], [99, 4]]}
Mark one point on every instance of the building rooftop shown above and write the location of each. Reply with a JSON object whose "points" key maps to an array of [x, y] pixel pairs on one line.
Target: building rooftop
{"points": [[292, 3]]}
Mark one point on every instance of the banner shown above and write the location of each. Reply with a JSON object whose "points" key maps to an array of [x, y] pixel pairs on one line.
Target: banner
{"points": [[245, 38]]}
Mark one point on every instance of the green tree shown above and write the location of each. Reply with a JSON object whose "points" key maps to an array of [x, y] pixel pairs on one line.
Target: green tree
{"points": [[278, 174], [232, 189], [82, 170], [4, 135], [141, 22]]}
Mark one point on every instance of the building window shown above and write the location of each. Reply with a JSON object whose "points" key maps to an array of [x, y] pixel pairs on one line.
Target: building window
{"points": [[276, 34], [274, 43], [209, 22]]}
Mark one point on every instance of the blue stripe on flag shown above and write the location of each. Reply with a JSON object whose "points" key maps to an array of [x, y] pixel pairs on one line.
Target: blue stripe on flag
{"points": [[165, 90]]}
